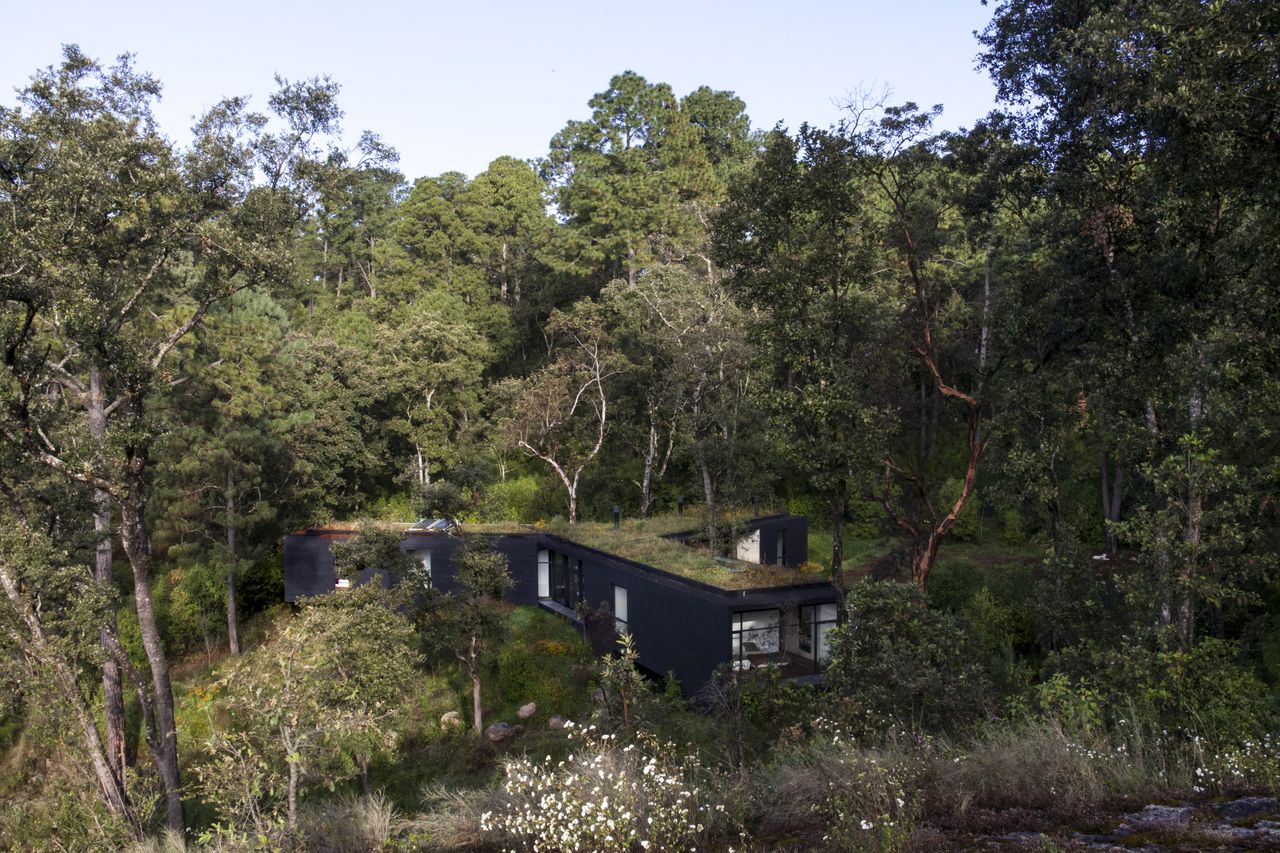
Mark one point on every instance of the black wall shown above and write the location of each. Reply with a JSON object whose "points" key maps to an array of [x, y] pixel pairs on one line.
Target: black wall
{"points": [[795, 528]]}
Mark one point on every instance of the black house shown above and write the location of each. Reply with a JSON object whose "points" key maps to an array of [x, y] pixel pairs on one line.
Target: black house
{"points": [[688, 614]]}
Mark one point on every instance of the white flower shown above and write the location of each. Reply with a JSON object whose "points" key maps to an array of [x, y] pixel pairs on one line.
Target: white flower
{"points": [[866, 824]]}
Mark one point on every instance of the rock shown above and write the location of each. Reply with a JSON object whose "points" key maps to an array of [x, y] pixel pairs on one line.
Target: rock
{"points": [[1248, 807], [499, 732], [527, 710], [451, 720], [1163, 815], [555, 721]]}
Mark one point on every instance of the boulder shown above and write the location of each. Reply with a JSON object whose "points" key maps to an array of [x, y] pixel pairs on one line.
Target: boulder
{"points": [[1163, 816], [451, 720], [499, 732], [1246, 807], [555, 721], [527, 710]]}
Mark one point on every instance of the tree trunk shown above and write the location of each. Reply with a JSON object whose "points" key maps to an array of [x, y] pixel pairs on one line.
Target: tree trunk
{"points": [[473, 669], [709, 495], [112, 692], [1112, 494], [36, 647], [366, 784], [573, 503], [1194, 529], [651, 455], [137, 546], [838, 507], [293, 798], [233, 636]]}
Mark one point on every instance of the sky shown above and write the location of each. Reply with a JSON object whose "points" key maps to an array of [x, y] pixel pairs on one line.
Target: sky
{"points": [[454, 85]]}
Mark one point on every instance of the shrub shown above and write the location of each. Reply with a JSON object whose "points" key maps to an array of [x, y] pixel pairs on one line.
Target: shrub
{"points": [[858, 797], [903, 660], [541, 661], [440, 499], [604, 797], [1012, 527], [1203, 692]]}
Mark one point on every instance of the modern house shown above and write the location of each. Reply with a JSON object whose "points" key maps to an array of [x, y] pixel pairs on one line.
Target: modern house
{"points": [[687, 612]]}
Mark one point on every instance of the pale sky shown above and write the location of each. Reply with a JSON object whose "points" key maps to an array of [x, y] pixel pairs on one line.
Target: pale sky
{"points": [[454, 85]]}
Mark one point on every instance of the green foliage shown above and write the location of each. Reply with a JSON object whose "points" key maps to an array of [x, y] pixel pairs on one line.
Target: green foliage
{"points": [[191, 601], [1012, 527], [395, 507], [440, 499], [325, 690], [375, 548], [511, 499], [543, 660], [1204, 692], [625, 692], [907, 662]]}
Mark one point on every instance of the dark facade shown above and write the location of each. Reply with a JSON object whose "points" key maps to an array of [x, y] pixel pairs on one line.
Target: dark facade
{"points": [[679, 625]]}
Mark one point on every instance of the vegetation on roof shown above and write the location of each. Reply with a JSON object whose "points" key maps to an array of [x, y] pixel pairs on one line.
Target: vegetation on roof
{"points": [[645, 541]]}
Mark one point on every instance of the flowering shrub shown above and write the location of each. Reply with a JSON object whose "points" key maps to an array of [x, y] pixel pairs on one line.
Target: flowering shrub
{"points": [[860, 798], [1254, 763], [866, 804], [603, 797]]}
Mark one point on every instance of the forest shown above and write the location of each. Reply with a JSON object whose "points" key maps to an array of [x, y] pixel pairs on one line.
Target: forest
{"points": [[1023, 379]]}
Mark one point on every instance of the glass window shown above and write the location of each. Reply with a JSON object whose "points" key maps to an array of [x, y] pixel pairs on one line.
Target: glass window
{"points": [[816, 622], [782, 547], [620, 608], [425, 557], [755, 632], [544, 573], [560, 579]]}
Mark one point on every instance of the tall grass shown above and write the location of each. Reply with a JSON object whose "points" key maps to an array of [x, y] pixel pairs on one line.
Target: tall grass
{"points": [[349, 824]]}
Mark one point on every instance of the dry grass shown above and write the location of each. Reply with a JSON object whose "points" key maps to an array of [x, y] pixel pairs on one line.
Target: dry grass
{"points": [[1040, 767], [349, 824], [451, 820], [642, 540]]}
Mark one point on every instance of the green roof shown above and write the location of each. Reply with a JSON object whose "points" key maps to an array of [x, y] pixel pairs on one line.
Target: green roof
{"points": [[643, 541]]}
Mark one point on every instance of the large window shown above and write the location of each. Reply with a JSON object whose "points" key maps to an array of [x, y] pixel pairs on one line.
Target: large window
{"points": [[816, 621], [755, 632], [558, 580], [544, 573], [781, 547]]}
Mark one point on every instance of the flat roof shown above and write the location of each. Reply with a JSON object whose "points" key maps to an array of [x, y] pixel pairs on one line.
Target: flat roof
{"points": [[653, 541]]}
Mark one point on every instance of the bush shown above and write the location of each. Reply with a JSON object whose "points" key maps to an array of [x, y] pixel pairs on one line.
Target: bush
{"points": [[440, 499], [905, 661], [1204, 692], [542, 660], [1011, 525], [512, 499], [604, 797], [858, 798]]}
